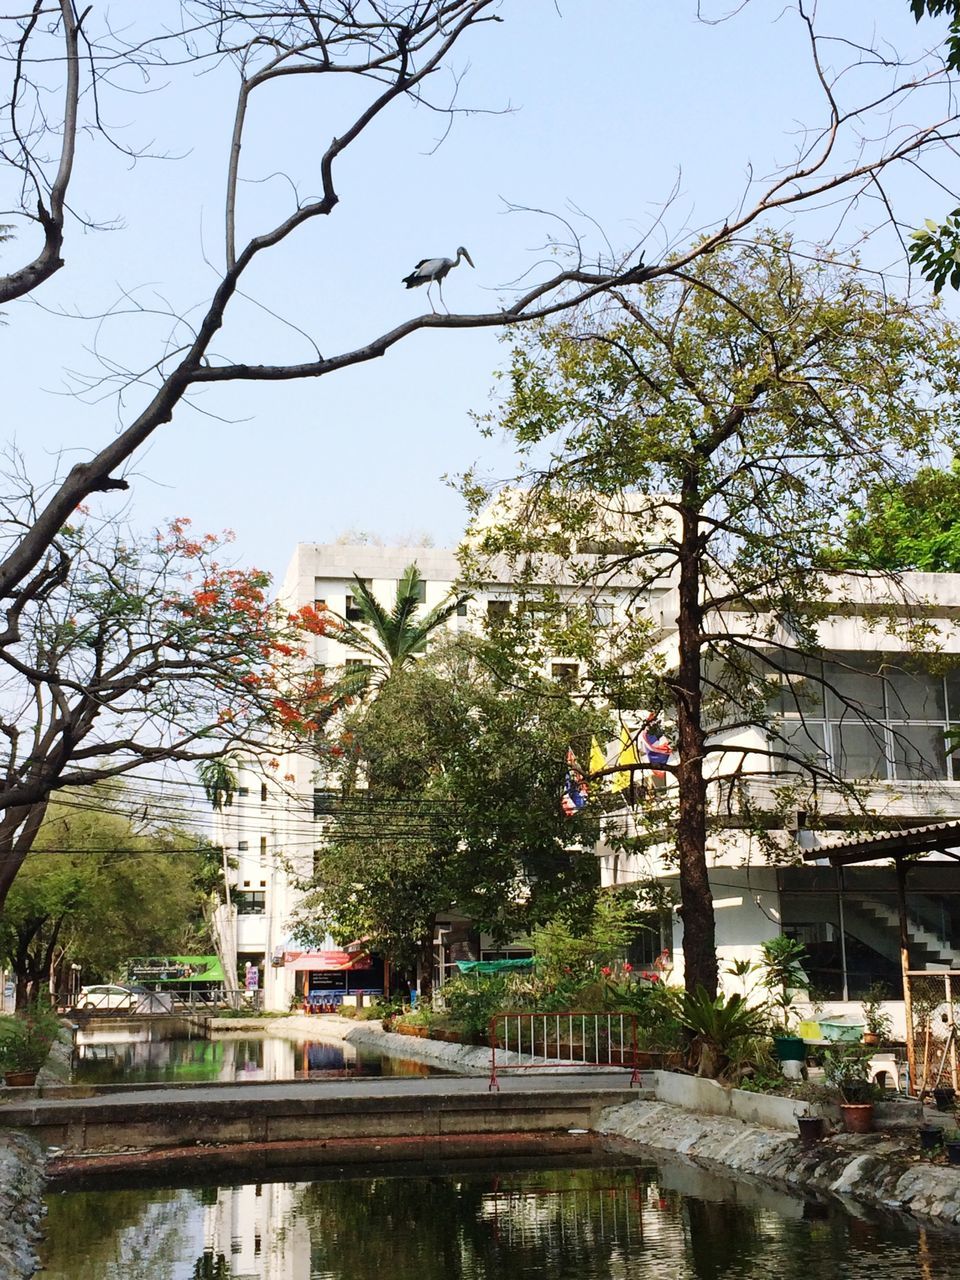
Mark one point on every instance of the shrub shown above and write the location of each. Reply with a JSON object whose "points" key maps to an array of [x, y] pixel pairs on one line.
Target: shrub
{"points": [[25, 1038]]}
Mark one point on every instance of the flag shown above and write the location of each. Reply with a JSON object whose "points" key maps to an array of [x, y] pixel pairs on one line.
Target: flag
{"points": [[574, 788], [628, 755], [598, 761]]}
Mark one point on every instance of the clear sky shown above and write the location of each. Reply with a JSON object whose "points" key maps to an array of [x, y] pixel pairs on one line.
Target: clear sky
{"points": [[611, 102]]}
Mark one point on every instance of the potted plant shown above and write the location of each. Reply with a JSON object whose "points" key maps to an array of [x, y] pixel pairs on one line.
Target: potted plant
{"points": [[943, 1098], [25, 1041], [931, 1137], [953, 1146], [877, 1023], [782, 964], [847, 1069]]}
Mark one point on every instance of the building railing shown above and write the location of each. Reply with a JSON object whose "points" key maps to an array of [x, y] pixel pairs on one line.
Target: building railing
{"points": [[575, 1040]]}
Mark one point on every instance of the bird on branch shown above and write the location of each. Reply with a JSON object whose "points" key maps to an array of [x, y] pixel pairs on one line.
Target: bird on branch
{"points": [[429, 270]]}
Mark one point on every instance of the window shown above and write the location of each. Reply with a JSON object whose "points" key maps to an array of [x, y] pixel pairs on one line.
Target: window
{"points": [[603, 615], [252, 902], [462, 609], [497, 612], [566, 674], [243, 791], [420, 592], [871, 718], [243, 845], [356, 664], [263, 792], [319, 604], [263, 850], [352, 612]]}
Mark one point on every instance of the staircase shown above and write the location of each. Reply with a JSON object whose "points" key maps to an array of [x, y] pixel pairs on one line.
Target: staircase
{"points": [[933, 949]]}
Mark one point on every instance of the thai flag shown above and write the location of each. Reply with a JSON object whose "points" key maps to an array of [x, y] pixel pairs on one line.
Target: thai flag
{"points": [[574, 788]]}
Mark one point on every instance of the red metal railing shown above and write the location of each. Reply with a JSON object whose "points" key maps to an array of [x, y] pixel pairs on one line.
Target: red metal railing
{"points": [[576, 1040]]}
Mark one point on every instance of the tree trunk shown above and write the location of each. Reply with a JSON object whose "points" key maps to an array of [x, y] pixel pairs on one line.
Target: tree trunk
{"points": [[18, 830], [425, 963], [696, 900]]}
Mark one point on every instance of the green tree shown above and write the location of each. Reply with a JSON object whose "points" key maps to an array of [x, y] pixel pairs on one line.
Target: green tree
{"points": [[718, 434], [913, 525], [935, 247], [389, 640], [451, 787], [100, 887]]}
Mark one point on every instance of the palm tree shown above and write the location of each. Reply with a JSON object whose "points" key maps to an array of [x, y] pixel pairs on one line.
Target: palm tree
{"points": [[389, 640]]}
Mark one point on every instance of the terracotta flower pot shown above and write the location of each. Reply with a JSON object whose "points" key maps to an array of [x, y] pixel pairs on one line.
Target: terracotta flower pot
{"points": [[857, 1116], [19, 1079]]}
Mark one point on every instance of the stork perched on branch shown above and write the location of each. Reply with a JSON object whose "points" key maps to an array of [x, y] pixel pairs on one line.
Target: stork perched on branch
{"points": [[430, 269]]}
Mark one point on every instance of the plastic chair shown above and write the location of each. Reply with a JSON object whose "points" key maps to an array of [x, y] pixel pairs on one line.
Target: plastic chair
{"points": [[885, 1064]]}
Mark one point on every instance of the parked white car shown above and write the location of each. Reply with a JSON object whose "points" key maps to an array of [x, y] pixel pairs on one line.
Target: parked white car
{"points": [[105, 997]]}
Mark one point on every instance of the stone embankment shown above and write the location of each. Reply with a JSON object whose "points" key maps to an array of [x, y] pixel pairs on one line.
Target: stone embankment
{"points": [[882, 1169], [21, 1205]]}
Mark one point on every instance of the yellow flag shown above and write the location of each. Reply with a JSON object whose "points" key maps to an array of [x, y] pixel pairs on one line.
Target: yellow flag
{"points": [[628, 755], [598, 760]]}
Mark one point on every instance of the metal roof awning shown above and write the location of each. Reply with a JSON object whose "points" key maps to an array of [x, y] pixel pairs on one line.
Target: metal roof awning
{"points": [[936, 837]]}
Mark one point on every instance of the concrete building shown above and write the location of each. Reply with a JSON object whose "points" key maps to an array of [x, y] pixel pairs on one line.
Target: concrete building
{"points": [[898, 751]]}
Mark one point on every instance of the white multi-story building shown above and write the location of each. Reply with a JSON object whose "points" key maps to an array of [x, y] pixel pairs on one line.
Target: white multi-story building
{"points": [[900, 752]]}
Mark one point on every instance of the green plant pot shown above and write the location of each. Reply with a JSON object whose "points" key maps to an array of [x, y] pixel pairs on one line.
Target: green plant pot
{"points": [[789, 1049]]}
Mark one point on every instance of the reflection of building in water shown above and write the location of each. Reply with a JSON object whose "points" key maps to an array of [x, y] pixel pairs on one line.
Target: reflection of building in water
{"points": [[258, 1231]]}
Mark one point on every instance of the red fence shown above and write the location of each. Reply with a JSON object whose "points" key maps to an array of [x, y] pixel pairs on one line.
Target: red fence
{"points": [[575, 1040]]}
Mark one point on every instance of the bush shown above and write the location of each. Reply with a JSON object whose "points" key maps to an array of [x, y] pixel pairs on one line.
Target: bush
{"points": [[25, 1038]]}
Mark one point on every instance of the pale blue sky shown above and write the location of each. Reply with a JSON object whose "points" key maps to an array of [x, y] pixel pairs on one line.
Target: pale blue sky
{"points": [[613, 101]]}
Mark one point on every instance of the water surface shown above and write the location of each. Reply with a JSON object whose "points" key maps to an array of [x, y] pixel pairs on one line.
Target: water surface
{"points": [[147, 1053], [641, 1221]]}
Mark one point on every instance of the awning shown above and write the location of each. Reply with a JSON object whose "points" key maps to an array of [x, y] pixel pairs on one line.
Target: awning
{"points": [[324, 961], [496, 966]]}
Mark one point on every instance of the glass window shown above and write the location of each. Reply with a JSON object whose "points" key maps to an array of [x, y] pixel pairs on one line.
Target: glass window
{"points": [[919, 751], [251, 903], [804, 740], [853, 690], [953, 693], [799, 695], [914, 695], [859, 750]]}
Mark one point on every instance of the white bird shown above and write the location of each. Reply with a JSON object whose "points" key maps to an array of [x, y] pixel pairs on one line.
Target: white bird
{"points": [[430, 269]]}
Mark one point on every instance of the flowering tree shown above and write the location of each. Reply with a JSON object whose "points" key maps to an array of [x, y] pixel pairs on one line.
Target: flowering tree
{"points": [[128, 652]]}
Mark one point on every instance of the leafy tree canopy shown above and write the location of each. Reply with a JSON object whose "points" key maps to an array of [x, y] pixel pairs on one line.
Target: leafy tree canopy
{"points": [[914, 525], [100, 887], [451, 787]]}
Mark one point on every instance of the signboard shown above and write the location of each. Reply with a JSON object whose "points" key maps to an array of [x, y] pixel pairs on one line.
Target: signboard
{"points": [[252, 978]]}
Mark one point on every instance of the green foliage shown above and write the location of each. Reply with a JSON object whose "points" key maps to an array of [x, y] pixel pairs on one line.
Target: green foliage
{"points": [[472, 1004], [218, 778], [877, 1022], [914, 525], [564, 946], [390, 639], [846, 1067], [461, 806], [25, 1038], [782, 962], [936, 9], [718, 1026], [93, 865]]}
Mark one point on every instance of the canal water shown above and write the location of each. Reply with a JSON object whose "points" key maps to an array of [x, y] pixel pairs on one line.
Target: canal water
{"points": [[164, 1051], [619, 1219]]}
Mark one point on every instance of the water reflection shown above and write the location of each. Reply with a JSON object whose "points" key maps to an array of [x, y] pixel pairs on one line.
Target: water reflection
{"points": [[625, 1223], [143, 1053]]}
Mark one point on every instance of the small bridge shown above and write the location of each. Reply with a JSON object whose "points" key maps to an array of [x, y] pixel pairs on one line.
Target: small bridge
{"points": [[328, 1122]]}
